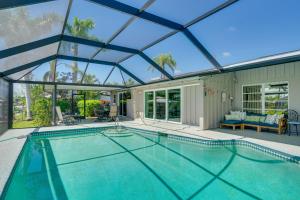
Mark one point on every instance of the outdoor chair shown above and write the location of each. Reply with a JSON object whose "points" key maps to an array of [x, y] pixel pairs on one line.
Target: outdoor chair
{"points": [[66, 119], [101, 113], [292, 120], [113, 113]]}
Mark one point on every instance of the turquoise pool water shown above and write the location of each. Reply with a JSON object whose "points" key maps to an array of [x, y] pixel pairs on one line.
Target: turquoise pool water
{"points": [[132, 164]]}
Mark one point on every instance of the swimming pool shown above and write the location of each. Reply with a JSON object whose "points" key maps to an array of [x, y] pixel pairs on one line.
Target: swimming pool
{"points": [[126, 163]]}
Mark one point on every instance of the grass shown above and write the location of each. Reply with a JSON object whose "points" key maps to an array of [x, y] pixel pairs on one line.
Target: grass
{"points": [[20, 122], [23, 124]]}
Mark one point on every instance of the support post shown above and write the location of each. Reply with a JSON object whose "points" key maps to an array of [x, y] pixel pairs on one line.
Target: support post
{"points": [[10, 104], [54, 95]]}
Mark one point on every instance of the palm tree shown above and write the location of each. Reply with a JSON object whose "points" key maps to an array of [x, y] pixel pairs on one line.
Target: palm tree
{"points": [[164, 61], [130, 82], [49, 75], [14, 20], [79, 28]]}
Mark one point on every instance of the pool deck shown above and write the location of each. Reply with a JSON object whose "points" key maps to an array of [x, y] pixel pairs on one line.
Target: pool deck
{"points": [[12, 141]]}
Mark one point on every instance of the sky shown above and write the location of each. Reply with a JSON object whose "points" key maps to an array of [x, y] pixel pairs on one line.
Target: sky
{"points": [[246, 30]]}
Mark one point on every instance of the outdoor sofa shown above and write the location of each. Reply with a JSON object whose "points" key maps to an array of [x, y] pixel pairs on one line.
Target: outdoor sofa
{"points": [[258, 121]]}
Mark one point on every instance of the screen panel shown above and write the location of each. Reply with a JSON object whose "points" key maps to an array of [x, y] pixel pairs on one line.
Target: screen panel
{"points": [[21, 25], [69, 71], [111, 55], [28, 57], [134, 3], [250, 29], [20, 74], [115, 78], [77, 50], [128, 80], [181, 11], [97, 22], [140, 33], [142, 69], [96, 74], [178, 56]]}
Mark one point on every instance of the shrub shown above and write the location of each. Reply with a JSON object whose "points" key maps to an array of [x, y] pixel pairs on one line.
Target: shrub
{"points": [[64, 105], [42, 114], [91, 105]]}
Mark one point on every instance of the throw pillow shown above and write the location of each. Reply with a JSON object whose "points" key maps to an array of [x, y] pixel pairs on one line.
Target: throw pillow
{"points": [[270, 119], [232, 117], [278, 117], [241, 114], [262, 119], [252, 118]]}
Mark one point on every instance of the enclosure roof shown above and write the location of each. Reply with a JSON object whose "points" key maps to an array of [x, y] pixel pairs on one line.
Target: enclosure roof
{"points": [[125, 43]]}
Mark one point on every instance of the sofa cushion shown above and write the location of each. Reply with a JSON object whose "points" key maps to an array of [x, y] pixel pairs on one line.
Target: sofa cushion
{"points": [[252, 118], [232, 121], [269, 125], [251, 123]]}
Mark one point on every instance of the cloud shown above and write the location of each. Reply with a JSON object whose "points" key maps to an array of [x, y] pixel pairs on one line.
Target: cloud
{"points": [[226, 54], [232, 29]]}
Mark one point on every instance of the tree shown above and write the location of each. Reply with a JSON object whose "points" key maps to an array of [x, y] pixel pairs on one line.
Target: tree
{"points": [[164, 61], [130, 82], [49, 75], [79, 28], [18, 26]]}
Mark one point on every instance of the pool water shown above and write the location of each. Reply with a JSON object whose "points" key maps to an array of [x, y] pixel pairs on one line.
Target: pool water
{"points": [[99, 164]]}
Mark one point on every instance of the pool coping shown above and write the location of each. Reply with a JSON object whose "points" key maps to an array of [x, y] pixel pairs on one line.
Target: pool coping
{"points": [[208, 142]]}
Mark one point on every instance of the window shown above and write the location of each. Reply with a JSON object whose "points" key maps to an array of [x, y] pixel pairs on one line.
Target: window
{"points": [[163, 104], [149, 107], [276, 98], [252, 98], [267, 98]]}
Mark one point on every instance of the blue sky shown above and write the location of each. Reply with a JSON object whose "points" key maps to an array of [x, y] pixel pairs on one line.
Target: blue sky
{"points": [[247, 30]]}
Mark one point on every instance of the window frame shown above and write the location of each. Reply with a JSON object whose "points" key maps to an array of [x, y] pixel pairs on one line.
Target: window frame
{"points": [[263, 99], [167, 106]]}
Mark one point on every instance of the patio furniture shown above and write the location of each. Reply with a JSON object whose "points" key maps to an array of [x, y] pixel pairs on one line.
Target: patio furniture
{"points": [[64, 119], [257, 121], [292, 121], [113, 113], [102, 113], [231, 123]]}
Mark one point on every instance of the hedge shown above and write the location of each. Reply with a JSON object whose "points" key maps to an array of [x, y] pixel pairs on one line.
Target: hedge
{"points": [[91, 105]]}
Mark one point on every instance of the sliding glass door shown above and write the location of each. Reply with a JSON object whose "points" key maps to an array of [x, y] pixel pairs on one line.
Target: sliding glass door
{"points": [[160, 104], [163, 104], [174, 105], [149, 105]]}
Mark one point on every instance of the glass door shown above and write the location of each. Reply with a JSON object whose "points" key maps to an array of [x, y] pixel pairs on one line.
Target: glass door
{"points": [[123, 97], [174, 105], [149, 105], [160, 104]]}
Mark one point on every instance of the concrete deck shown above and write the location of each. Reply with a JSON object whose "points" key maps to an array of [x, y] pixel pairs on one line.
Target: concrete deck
{"points": [[12, 141]]}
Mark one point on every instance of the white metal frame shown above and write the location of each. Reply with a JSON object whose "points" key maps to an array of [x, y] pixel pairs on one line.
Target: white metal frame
{"points": [[263, 93], [167, 106]]}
